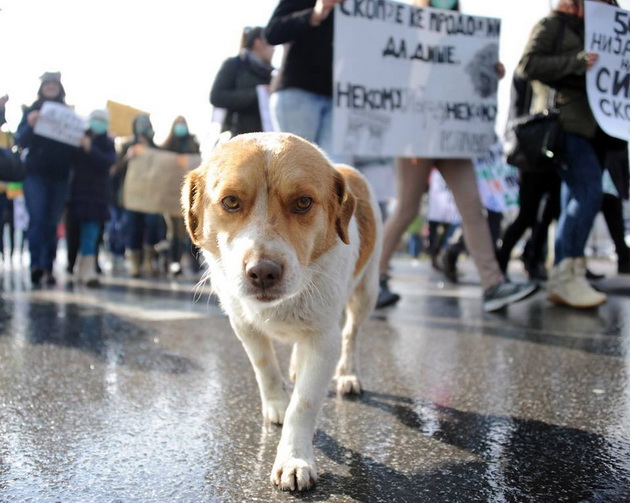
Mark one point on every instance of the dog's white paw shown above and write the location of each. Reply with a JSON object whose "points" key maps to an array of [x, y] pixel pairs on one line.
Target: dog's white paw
{"points": [[348, 385], [294, 474], [274, 410]]}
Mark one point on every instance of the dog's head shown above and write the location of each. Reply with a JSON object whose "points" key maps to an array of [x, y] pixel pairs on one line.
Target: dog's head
{"points": [[265, 206]]}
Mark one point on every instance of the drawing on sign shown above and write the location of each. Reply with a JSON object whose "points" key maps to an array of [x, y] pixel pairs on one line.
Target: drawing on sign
{"points": [[482, 70], [366, 131]]}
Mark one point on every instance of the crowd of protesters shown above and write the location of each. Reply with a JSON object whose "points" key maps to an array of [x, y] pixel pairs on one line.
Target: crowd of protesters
{"points": [[85, 183]]}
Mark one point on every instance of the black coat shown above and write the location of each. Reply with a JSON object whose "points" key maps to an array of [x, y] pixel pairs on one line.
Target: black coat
{"points": [[234, 89], [45, 157], [89, 188]]}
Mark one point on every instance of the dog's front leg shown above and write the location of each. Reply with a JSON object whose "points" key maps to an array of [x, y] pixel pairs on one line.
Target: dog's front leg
{"points": [[262, 356], [315, 357]]}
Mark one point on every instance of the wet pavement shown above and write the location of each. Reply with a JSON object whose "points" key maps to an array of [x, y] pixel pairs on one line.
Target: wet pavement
{"points": [[139, 392]]}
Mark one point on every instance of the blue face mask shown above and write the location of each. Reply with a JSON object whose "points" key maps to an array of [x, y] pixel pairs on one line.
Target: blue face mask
{"points": [[98, 126], [443, 4], [180, 129]]}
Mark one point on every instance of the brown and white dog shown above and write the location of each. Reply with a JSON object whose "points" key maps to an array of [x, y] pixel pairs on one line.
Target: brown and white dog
{"points": [[292, 245]]}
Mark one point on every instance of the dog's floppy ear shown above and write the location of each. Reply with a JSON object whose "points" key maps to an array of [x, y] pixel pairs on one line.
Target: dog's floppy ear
{"points": [[347, 203], [192, 204]]}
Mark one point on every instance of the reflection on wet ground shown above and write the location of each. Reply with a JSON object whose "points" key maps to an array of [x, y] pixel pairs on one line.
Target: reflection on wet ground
{"points": [[137, 392]]}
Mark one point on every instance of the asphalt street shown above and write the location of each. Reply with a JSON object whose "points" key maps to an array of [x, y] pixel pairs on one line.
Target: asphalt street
{"points": [[140, 392]]}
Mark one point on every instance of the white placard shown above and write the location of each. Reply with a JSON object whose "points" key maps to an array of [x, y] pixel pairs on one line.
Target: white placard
{"points": [[59, 122], [412, 81], [262, 92], [608, 82]]}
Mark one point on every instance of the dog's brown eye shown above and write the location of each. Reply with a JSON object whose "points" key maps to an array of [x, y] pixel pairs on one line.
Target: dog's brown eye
{"points": [[230, 203], [302, 204]]}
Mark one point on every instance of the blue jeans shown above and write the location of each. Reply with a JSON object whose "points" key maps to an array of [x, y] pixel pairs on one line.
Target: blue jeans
{"points": [[143, 229], [580, 199], [44, 198], [90, 233], [308, 115]]}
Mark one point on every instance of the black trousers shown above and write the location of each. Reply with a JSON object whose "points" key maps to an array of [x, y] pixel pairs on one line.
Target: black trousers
{"points": [[534, 187]]}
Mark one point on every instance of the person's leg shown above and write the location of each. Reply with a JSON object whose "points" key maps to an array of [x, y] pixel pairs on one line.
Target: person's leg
{"points": [[36, 199], [581, 198], [411, 184], [58, 196], [550, 182], [461, 179], [134, 233], [612, 208], [89, 238], [581, 201], [412, 179], [73, 232], [530, 195]]}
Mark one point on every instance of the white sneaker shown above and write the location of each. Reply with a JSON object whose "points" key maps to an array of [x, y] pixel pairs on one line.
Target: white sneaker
{"points": [[568, 285]]}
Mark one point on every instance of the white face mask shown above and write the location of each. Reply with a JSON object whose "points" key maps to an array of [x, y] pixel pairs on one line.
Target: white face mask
{"points": [[443, 4]]}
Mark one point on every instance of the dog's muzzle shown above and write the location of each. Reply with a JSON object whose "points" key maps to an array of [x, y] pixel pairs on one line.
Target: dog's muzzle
{"points": [[264, 275]]}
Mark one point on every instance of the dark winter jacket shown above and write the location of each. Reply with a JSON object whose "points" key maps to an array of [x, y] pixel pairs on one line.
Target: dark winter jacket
{"points": [[45, 157], [89, 189], [234, 89], [308, 60], [564, 70]]}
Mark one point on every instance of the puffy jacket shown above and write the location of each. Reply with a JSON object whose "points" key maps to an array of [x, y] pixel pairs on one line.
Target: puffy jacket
{"points": [[563, 70]]}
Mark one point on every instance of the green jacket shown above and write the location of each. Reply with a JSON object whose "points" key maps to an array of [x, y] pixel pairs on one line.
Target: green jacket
{"points": [[563, 69]]}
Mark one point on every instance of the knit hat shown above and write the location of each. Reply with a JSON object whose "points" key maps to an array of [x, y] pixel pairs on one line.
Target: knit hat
{"points": [[51, 77], [99, 114]]}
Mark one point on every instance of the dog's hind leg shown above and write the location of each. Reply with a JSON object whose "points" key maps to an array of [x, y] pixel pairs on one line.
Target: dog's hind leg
{"points": [[262, 356], [359, 307]]}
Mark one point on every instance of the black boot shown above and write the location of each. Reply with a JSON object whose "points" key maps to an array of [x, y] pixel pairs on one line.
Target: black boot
{"points": [[385, 296]]}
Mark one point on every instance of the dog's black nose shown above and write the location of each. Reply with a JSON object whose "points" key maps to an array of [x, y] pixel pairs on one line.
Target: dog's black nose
{"points": [[264, 273]]}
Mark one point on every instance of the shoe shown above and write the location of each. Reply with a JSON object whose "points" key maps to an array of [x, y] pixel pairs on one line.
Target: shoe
{"points": [[591, 276], [568, 285], [135, 258], [385, 296], [36, 276], [49, 278], [505, 293], [536, 271], [87, 271], [623, 267], [449, 265], [435, 263]]}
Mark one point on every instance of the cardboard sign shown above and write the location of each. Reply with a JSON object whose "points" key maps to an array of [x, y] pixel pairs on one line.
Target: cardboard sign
{"points": [[61, 123], [608, 82], [121, 118], [411, 81], [154, 179]]}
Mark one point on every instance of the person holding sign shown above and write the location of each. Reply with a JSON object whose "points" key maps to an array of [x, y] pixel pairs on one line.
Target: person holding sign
{"points": [[586, 146], [302, 104], [459, 174], [48, 163]]}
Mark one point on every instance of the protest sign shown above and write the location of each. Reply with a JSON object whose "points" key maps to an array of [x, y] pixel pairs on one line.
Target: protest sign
{"points": [[59, 122], [154, 179], [497, 181], [121, 118], [411, 81], [608, 82]]}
